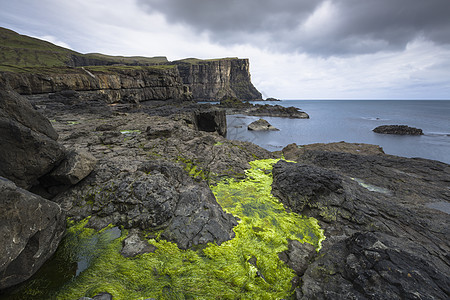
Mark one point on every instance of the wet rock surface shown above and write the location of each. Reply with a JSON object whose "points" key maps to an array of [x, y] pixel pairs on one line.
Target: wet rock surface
{"points": [[382, 240], [31, 228], [398, 129]]}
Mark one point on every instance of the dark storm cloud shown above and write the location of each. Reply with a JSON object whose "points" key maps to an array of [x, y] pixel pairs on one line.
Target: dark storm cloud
{"points": [[338, 26]]}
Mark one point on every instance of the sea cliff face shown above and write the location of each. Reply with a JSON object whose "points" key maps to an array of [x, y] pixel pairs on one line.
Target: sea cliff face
{"points": [[114, 84], [33, 66], [213, 79], [203, 80]]}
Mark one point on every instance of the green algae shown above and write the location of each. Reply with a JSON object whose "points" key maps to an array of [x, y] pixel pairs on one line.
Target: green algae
{"points": [[192, 169], [246, 267]]}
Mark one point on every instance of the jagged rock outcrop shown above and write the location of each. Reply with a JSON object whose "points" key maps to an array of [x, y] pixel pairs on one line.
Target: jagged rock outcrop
{"points": [[30, 231], [159, 195], [113, 84], [384, 239], [398, 129], [234, 105], [29, 148], [211, 120], [210, 80], [152, 171]]}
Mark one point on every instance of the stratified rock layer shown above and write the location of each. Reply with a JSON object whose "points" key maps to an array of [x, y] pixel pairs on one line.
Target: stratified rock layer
{"points": [[213, 79], [112, 84], [30, 231], [383, 241]]}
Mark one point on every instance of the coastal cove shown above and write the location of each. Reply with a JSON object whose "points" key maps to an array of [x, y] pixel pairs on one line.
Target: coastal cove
{"points": [[352, 121], [117, 183]]}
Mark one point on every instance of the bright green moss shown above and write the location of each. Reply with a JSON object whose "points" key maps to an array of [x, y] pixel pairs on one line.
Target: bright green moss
{"points": [[221, 272]]}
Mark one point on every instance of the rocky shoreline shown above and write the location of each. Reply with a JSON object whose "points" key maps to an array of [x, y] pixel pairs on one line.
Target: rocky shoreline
{"points": [[150, 168]]}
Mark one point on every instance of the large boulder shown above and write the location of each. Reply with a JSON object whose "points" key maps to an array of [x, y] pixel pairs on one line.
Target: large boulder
{"points": [[77, 165], [158, 196], [30, 231], [383, 234], [29, 148]]}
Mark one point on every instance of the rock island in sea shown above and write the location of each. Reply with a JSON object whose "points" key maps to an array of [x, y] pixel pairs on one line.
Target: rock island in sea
{"points": [[112, 168]]}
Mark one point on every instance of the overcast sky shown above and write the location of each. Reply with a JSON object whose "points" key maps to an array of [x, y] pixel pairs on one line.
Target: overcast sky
{"points": [[298, 49]]}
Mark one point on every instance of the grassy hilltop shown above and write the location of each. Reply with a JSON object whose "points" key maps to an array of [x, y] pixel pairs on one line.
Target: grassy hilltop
{"points": [[21, 53], [18, 51]]}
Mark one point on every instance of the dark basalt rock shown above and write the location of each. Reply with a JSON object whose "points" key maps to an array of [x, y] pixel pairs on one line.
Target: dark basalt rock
{"points": [[382, 239], [159, 195], [236, 106], [278, 111], [29, 148], [211, 120], [261, 125], [398, 129], [77, 165], [31, 229]]}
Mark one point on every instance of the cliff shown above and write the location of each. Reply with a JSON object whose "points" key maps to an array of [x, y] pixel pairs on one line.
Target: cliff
{"points": [[114, 84], [33, 66], [214, 79]]}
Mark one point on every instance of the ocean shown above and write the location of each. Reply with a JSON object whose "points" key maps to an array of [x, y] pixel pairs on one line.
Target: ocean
{"points": [[352, 121]]}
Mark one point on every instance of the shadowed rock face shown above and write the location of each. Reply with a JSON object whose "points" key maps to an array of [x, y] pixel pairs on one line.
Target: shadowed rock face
{"points": [[28, 141], [382, 239], [31, 229]]}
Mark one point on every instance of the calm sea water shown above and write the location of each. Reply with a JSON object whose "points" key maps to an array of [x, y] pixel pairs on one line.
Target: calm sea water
{"points": [[352, 121]]}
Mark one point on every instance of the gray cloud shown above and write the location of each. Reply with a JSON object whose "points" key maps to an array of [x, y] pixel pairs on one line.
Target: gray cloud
{"points": [[338, 27]]}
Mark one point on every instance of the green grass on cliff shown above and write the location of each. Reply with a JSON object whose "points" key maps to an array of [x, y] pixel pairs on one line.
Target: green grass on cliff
{"points": [[19, 52], [24, 54], [196, 61], [128, 60], [114, 69], [246, 267], [24, 51]]}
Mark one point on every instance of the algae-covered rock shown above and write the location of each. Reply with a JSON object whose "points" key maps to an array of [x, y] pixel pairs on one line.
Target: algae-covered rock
{"points": [[158, 196], [382, 239]]}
